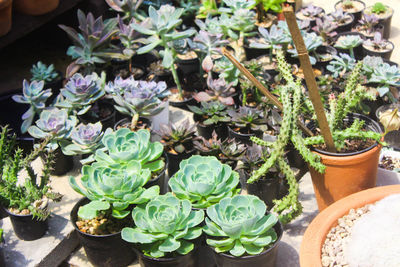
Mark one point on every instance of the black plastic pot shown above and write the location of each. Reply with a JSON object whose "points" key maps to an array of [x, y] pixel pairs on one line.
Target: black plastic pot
{"points": [[266, 258], [267, 188], [252, 53], [345, 27], [26, 227], [107, 122], [118, 65], [187, 260], [103, 250], [184, 104], [325, 49], [357, 15], [160, 179], [206, 130], [175, 160], [13, 110], [62, 163], [243, 138], [187, 66], [383, 54], [358, 51], [385, 22]]}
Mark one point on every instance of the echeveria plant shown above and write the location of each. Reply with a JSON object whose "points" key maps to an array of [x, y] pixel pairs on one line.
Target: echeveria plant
{"points": [[378, 43], [81, 92], [161, 28], [240, 225], [91, 44], [204, 181], [386, 76], [55, 124], [312, 42], [164, 227], [42, 72], [311, 11], [113, 187], [219, 90], [340, 65], [212, 112], [249, 119], [349, 42], [84, 139], [124, 146], [34, 95]]}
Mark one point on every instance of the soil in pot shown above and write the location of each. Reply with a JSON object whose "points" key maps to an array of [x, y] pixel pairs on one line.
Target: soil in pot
{"points": [[101, 111], [356, 8], [25, 226], [142, 123], [158, 73], [5, 16], [108, 250], [385, 19], [389, 163], [267, 258], [371, 50], [368, 33], [326, 54], [123, 71]]}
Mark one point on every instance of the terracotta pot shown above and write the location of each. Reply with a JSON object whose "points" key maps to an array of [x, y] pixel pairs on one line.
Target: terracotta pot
{"points": [[35, 7], [5, 16], [314, 237], [344, 175]]}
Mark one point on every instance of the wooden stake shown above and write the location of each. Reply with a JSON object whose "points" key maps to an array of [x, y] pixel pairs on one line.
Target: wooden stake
{"points": [[309, 77], [261, 87]]}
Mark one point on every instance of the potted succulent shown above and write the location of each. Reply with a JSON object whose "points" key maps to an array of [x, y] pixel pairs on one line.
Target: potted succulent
{"points": [[386, 79], [240, 231], [165, 231], [35, 8], [91, 46], [354, 7], [384, 13], [350, 43], [218, 90], [211, 116], [217, 181], [161, 29], [178, 143], [57, 125], [5, 15], [383, 114], [204, 181], [325, 28], [227, 151], [340, 67], [52, 78], [368, 26], [310, 13], [343, 20], [25, 200], [84, 140], [389, 167], [139, 99], [110, 190], [82, 96], [246, 122], [268, 186], [378, 47], [312, 42], [124, 145], [273, 39]]}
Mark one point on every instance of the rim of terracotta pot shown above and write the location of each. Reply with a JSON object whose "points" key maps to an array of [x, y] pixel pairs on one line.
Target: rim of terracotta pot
{"points": [[314, 237]]}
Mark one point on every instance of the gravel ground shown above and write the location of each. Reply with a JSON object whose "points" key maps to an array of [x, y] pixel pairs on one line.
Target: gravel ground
{"points": [[333, 248]]}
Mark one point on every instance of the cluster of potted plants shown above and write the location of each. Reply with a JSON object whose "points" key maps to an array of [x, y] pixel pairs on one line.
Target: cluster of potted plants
{"points": [[178, 200]]}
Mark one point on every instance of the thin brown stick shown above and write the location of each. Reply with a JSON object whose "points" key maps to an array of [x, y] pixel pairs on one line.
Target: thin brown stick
{"points": [[262, 88], [309, 77]]}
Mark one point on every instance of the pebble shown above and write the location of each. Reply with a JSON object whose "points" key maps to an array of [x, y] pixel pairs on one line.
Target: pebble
{"points": [[332, 249]]}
